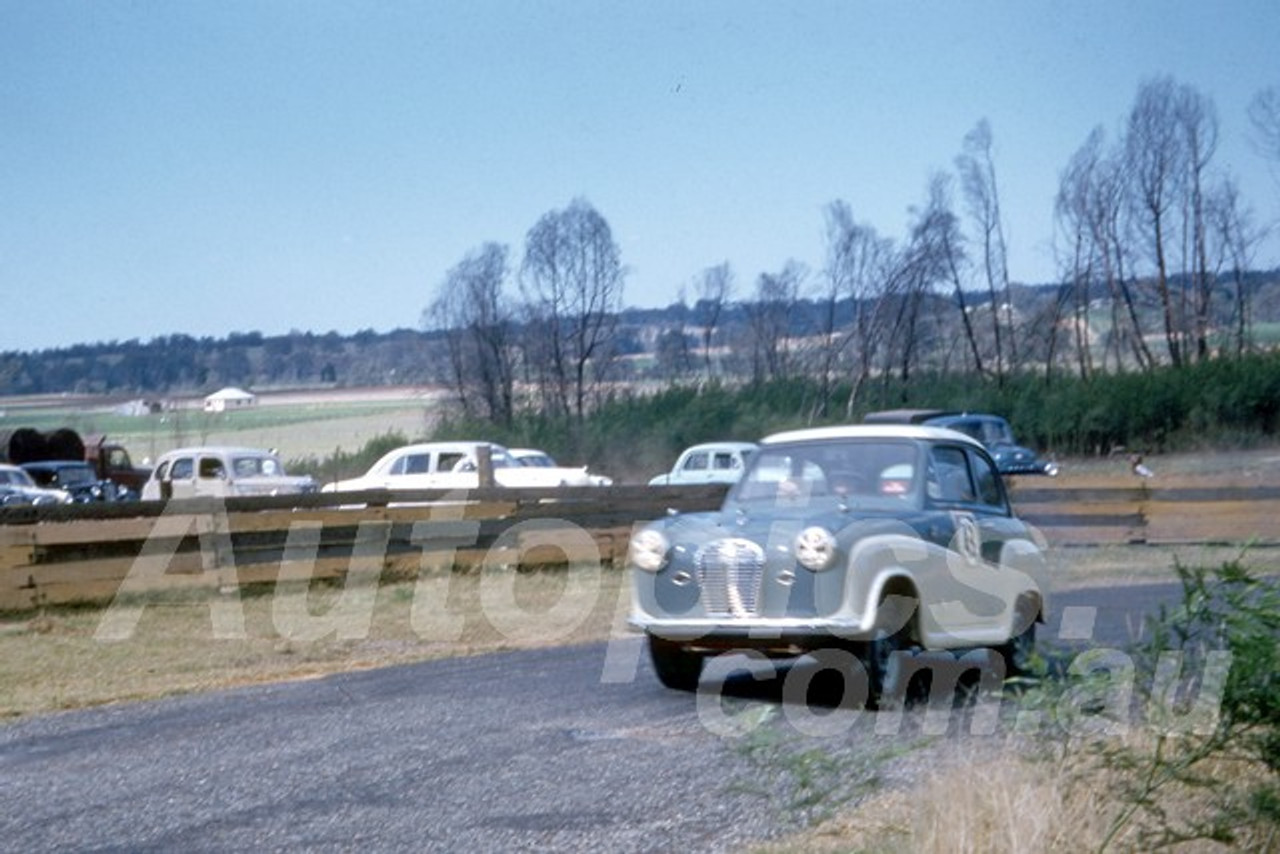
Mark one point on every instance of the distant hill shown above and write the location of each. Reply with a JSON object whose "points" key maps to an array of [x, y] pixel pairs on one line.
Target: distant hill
{"points": [[185, 365]]}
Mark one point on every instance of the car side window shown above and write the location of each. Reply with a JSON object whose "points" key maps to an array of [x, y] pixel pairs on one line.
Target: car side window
{"points": [[162, 471], [183, 469], [724, 462], [412, 464], [211, 468], [696, 462], [948, 477], [988, 481], [451, 462]]}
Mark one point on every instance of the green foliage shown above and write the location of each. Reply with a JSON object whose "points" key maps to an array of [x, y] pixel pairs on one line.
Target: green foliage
{"points": [[807, 779], [1183, 730], [633, 436], [343, 464]]}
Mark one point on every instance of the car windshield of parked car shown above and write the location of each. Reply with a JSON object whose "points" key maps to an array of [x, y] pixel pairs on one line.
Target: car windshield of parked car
{"points": [[16, 477], [536, 461], [75, 474], [256, 467], [870, 473], [988, 431], [498, 459]]}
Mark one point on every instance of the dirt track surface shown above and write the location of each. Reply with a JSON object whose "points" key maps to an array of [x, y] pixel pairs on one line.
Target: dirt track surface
{"points": [[576, 748]]}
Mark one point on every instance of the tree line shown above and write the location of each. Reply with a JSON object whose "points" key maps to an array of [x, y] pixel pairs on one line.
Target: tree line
{"points": [[1155, 245], [1156, 260]]}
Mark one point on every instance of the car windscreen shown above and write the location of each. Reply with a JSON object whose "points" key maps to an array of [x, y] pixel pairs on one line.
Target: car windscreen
{"points": [[69, 475], [868, 472], [256, 467], [16, 477]]}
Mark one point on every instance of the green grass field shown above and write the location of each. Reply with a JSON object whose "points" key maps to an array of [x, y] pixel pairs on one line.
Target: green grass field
{"points": [[297, 430]]}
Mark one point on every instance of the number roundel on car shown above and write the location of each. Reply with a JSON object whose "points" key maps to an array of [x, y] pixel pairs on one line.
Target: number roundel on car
{"points": [[967, 539]]}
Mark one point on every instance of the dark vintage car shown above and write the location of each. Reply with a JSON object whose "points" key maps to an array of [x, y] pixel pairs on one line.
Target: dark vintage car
{"points": [[992, 431], [881, 541], [77, 478]]}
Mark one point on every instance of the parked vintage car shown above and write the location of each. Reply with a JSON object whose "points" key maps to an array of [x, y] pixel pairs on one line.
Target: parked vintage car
{"points": [[17, 488], [712, 462], [877, 540], [77, 478], [992, 431], [456, 465], [222, 471], [541, 459]]}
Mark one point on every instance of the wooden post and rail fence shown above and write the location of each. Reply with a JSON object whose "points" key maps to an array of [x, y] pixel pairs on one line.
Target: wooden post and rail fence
{"points": [[72, 554]]}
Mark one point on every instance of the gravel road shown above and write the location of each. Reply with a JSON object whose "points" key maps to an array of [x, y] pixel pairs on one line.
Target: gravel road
{"points": [[567, 749]]}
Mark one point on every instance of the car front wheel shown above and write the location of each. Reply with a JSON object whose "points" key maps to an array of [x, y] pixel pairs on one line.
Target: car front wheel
{"points": [[888, 653], [677, 668], [1019, 651]]}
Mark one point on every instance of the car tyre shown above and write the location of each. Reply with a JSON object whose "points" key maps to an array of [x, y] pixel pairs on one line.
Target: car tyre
{"points": [[889, 651], [677, 668], [1019, 651]]}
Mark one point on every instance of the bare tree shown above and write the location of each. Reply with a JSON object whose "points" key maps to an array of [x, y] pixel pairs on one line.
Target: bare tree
{"points": [[937, 247], [1264, 115], [1236, 238], [572, 278], [977, 170], [859, 269], [672, 350], [1072, 218], [1198, 122], [769, 320], [474, 315], [1156, 155], [714, 288]]}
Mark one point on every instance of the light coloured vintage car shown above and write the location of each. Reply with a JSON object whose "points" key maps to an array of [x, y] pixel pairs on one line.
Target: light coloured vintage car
{"points": [[536, 458], [224, 472], [711, 462], [455, 465], [17, 487], [880, 541]]}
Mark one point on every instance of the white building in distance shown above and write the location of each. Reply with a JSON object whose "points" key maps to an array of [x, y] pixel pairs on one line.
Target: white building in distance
{"points": [[228, 399]]}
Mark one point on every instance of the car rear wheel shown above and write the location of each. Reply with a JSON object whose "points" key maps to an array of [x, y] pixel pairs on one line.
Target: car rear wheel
{"points": [[677, 668]]}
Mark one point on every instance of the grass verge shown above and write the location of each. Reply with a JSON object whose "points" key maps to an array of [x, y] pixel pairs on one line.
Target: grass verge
{"points": [[67, 658]]}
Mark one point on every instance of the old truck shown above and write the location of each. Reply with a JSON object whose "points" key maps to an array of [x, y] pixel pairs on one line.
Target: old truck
{"points": [[109, 459]]}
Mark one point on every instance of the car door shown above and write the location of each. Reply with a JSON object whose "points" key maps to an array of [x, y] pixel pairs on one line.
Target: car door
{"points": [[211, 476], [696, 468], [182, 478], [971, 523]]}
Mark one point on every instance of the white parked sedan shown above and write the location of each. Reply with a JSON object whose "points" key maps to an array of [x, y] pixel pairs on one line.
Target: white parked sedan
{"points": [[712, 462], [455, 465], [541, 459]]}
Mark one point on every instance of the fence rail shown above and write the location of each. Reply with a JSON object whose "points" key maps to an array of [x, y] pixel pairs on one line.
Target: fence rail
{"points": [[89, 553]]}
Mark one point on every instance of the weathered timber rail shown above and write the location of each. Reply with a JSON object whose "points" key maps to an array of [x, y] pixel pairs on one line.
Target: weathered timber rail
{"points": [[89, 553]]}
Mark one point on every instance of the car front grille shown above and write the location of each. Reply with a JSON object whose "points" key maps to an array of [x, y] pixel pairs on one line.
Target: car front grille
{"points": [[729, 574]]}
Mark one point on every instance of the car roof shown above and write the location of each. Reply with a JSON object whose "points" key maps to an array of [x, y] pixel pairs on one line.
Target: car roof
{"points": [[216, 449], [423, 447], [722, 446], [871, 431], [49, 464]]}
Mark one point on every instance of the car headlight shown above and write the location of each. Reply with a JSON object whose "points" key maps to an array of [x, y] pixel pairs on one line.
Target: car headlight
{"points": [[648, 550], [815, 548]]}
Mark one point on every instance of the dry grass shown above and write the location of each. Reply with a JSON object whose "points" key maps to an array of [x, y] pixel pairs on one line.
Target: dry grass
{"points": [[54, 661], [978, 802], [59, 659], [1111, 565]]}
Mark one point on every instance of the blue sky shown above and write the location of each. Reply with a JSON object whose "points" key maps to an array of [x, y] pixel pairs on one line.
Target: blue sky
{"points": [[215, 166]]}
